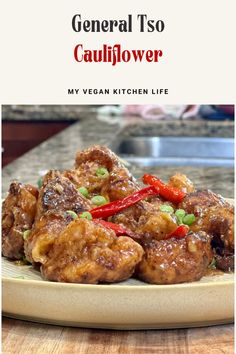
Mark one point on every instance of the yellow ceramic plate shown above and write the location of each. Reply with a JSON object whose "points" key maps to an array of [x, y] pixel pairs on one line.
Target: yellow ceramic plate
{"points": [[128, 305]]}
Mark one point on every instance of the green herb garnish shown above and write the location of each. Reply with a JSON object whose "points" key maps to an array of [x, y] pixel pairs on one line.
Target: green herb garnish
{"points": [[84, 191], [189, 219], [72, 214], [26, 234], [102, 172], [98, 200], [180, 213], [212, 265], [166, 208], [86, 215], [40, 182]]}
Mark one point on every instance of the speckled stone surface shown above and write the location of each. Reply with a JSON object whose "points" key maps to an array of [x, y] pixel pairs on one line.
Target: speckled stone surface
{"points": [[46, 112], [138, 126], [59, 151], [181, 128]]}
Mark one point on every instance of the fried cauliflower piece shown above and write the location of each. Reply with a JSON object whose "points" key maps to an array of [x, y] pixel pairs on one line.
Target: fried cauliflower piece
{"points": [[175, 261], [195, 203], [218, 221], [120, 184], [129, 217], [18, 213], [58, 193], [225, 261], [47, 228], [156, 224], [85, 176], [181, 182], [216, 217], [89, 253], [57, 196], [96, 153], [117, 184], [147, 220]]}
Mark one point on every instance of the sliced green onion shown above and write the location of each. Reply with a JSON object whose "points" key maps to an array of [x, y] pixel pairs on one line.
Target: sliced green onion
{"points": [[189, 219], [180, 213], [166, 208], [83, 191], [25, 260], [98, 200], [212, 265], [40, 182], [72, 214], [102, 172], [86, 215], [26, 234], [22, 262]]}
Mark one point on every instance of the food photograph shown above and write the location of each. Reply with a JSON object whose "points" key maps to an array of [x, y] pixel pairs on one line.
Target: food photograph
{"points": [[118, 224]]}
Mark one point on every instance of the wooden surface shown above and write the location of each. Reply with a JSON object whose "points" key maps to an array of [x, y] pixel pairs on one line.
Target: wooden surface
{"points": [[22, 337]]}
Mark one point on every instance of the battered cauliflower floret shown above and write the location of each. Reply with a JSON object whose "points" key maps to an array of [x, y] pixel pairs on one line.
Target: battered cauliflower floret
{"points": [[18, 213], [57, 196], [181, 182], [175, 261], [86, 252], [116, 184]]}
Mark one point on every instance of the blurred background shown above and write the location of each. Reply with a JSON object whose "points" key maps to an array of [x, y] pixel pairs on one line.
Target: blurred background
{"points": [[152, 134]]}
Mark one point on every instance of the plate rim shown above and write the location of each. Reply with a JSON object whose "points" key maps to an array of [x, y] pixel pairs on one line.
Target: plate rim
{"points": [[116, 286]]}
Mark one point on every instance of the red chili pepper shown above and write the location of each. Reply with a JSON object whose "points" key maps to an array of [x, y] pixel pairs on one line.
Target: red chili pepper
{"points": [[180, 232], [112, 208], [172, 194], [119, 230]]}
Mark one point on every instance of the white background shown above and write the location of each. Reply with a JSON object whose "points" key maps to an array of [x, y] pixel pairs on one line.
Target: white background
{"points": [[37, 42]]}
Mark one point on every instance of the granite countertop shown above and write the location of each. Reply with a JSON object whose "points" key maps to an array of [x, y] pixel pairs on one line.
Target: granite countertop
{"points": [[59, 151], [15, 113], [138, 126]]}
